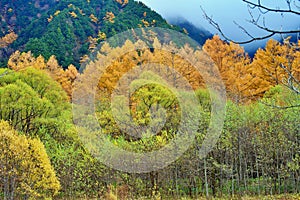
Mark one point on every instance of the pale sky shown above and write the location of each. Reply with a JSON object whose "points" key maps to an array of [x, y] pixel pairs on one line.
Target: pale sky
{"points": [[224, 12]]}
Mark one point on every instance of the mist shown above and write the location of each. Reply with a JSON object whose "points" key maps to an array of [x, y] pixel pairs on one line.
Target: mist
{"points": [[226, 13]]}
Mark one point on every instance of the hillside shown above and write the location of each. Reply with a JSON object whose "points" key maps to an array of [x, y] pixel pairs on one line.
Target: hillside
{"points": [[198, 34], [68, 28]]}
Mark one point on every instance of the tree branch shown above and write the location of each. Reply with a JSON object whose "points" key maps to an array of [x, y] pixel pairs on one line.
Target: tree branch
{"points": [[268, 9], [220, 30], [280, 107], [255, 21]]}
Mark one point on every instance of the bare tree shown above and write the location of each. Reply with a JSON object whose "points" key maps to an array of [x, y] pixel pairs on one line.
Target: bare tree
{"points": [[259, 21]]}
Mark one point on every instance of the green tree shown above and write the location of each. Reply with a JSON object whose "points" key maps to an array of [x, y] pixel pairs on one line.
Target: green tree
{"points": [[31, 100], [26, 170], [36, 106]]}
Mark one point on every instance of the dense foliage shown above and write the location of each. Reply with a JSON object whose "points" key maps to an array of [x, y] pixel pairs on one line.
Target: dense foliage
{"points": [[68, 28], [43, 153], [25, 167], [37, 107], [257, 153]]}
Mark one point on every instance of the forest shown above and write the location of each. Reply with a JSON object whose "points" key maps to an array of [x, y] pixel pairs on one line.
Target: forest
{"points": [[54, 107], [68, 29], [256, 154]]}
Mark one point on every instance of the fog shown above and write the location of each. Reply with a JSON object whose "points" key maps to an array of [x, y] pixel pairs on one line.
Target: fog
{"points": [[225, 13]]}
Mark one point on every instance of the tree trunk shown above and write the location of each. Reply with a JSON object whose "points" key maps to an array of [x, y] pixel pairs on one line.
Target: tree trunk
{"points": [[206, 183]]}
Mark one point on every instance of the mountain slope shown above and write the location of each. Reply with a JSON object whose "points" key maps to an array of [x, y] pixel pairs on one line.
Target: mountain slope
{"points": [[198, 34], [67, 28]]}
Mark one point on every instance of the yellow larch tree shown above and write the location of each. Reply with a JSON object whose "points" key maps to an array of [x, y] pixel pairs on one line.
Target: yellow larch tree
{"points": [[73, 14], [20, 61], [122, 2], [49, 19], [277, 64], [68, 78], [8, 39], [94, 18], [233, 64], [110, 16]]}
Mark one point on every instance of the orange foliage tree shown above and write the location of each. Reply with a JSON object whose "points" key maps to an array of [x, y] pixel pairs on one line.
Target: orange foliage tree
{"points": [[8, 39], [19, 61], [123, 60], [277, 64], [233, 64]]}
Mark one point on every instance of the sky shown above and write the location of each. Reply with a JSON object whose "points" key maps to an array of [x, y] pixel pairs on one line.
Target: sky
{"points": [[225, 12]]}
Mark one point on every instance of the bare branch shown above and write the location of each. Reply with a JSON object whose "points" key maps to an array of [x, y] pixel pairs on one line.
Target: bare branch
{"points": [[220, 30], [213, 23], [256, 21], [280, 107], [265, 28], [260, 6], [291, 80]]}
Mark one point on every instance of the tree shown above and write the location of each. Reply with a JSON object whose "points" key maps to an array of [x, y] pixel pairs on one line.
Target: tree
{"points": [[233, 64], [37, 107], [25, 167], [8, 39], [277, 64], [292, 7], [37, 47], [94, 18], [110, 16], [122, 2], [69, 76], [28, 100], [21, 61]]}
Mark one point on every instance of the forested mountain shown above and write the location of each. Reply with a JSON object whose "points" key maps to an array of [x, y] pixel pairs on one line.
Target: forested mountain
{"points": [[198, 34], [68, 28]]}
